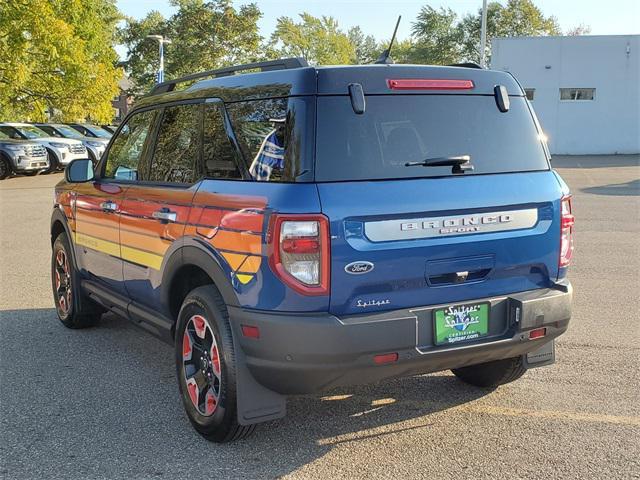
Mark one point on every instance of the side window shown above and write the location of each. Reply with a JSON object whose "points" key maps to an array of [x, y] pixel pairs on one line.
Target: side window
{"points": [[219, 157], [128, 147], [263, 130], [177, 145]]}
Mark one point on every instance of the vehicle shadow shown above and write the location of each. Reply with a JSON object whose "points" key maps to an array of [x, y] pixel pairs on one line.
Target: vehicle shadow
{"points": [[77, 399], [630, 188]]}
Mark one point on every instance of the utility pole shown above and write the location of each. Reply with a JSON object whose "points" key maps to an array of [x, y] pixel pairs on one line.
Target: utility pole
{"points": [[161, 41], [483, 35]]}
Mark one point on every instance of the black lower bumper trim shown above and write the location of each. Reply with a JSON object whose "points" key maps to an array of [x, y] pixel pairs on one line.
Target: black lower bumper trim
{"points": [[306, 353]]}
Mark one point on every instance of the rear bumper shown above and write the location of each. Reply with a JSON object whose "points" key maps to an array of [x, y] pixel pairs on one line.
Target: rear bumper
{"points": [[305, 353]]}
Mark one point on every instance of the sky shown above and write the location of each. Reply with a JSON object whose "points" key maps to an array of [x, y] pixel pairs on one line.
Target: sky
{"points": [[377, 18]]}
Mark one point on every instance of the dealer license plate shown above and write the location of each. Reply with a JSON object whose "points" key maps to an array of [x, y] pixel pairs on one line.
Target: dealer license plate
{"points": [[461, 323]]}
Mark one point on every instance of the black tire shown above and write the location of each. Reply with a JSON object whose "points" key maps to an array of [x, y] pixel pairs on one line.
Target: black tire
{"points": [[492, 374], [5, 167], [221, 423], [53, 162], [73, 307]]}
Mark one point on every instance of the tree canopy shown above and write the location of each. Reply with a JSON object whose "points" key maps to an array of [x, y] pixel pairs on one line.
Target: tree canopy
{"points": [[319, 40], [58, 57]]}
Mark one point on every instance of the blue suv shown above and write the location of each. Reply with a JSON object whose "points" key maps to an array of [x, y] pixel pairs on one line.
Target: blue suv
{"points": [[292, 229]]}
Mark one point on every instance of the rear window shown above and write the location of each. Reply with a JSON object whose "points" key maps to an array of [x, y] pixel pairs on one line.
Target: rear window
{"points": [[396, 129]]}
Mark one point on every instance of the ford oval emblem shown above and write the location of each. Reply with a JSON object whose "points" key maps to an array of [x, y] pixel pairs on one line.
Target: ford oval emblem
{"points": [[358, 268]]}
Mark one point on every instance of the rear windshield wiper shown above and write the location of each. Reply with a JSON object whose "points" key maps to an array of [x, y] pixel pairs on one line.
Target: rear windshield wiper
{"points": [[460, 163]]}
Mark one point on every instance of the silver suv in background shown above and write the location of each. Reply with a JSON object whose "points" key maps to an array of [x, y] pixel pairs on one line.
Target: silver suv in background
{"points": [[21, 156], [95, 146], [61, 150]]}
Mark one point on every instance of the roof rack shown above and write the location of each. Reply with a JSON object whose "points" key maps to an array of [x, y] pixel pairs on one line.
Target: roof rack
{"points": [[280, 64], [465, 65]]}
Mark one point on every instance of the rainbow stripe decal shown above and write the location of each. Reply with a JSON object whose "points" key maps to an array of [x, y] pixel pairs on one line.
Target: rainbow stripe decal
{"points": [[232, 224]]}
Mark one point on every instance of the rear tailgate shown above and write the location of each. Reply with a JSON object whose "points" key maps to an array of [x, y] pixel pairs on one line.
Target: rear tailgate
{"points": [[422, 235], [511, 245]]}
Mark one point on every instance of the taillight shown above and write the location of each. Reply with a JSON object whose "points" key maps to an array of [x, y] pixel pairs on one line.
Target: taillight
{"points": [[566, 231], [300, 252]]}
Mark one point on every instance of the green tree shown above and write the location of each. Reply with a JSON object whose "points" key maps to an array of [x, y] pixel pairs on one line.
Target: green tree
{"points": [[57, 56], [365, 48], [437, 38], [517, 18], [142, 55], [204, 36], [319, 40]]}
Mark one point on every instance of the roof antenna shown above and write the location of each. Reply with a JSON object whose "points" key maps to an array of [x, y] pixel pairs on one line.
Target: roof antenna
{"points": [[384, 58]]}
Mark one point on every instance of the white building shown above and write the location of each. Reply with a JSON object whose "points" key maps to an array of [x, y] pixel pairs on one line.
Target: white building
{"points": [[584, 89]]}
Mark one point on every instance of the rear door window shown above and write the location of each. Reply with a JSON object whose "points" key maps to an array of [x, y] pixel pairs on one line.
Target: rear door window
{"points": [[219, 157], [177, 145], [396, 129]]}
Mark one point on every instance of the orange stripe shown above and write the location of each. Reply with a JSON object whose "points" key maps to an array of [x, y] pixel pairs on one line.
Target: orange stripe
{"points": [[251, 264], [238, 242], [144, 242], [98, 231], [243, 220]]}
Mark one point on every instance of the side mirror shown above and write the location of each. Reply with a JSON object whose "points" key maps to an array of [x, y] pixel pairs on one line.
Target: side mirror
{"points": [[79, 171]]}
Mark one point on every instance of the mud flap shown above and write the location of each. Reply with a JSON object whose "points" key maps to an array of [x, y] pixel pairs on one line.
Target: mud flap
{"points": [[545, 355], [256, 403]]}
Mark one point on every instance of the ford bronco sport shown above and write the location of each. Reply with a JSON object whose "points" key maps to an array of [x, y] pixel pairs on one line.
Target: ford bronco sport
{"points": [[292, 229]]}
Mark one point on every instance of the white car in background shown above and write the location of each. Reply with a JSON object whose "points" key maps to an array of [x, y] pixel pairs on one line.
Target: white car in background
{"points": [[94, 145], [61, 150]]}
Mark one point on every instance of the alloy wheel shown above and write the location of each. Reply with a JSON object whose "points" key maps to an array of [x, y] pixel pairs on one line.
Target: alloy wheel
{"points": [[62, 274], [202, 366]]}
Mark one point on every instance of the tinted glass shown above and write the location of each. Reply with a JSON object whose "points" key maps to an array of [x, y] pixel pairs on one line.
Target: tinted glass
{"points": [[219, 158], [128, 147], [67, 132], [177, 145], [98, 131], [276, 137], [398, 129], [32, 132]]}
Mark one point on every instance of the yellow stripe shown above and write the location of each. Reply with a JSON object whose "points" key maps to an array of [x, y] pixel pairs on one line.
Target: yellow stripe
{"points": [[244, 279], [140, 257], [110, 248], [127, 253]]}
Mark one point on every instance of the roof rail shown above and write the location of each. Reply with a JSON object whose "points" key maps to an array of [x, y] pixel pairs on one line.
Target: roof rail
{"points": [[465, 65], [280, 64]]}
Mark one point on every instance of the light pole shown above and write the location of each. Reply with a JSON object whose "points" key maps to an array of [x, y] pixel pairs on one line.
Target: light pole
{"points": [[161, 41], [483, 34]]}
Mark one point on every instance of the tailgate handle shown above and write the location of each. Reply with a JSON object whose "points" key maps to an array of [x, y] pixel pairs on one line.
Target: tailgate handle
{"points": [[451, 271], [458, 277]]}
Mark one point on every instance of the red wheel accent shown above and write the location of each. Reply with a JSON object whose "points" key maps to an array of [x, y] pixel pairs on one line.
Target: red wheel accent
{"points": [[211, 402], [187, 348], [215, 359], [200, 325], [192, 388]]}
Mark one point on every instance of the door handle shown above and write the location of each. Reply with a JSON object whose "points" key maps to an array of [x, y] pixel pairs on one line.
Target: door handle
{"points": [[165, 215], [108, 206]]}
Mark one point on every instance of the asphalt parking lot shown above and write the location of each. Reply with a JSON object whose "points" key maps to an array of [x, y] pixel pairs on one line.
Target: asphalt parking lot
{"points": [[103, 402]]}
